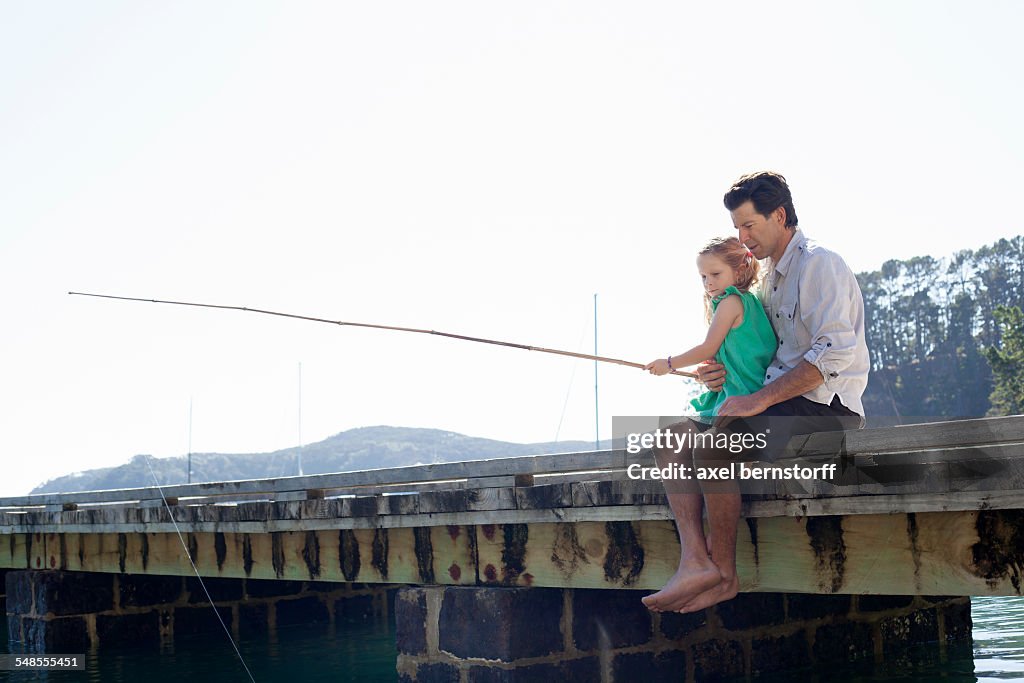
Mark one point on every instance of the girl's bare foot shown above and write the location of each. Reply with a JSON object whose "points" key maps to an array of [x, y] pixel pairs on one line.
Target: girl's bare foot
{"points": [[685, 586], [725, 589]]}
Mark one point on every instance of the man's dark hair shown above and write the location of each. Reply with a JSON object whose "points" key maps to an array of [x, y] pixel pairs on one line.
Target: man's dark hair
{"points": [[767, 190]]}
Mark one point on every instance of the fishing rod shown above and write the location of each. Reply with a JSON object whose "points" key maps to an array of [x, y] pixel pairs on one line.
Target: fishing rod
{"points": [[394, 328]]}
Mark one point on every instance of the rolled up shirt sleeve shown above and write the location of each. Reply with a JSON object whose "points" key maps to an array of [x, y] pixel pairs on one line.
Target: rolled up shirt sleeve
{"points": [[834, 316]]}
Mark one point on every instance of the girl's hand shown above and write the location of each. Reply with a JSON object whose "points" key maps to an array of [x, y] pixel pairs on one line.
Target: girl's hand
{"points": [[657, 367]]}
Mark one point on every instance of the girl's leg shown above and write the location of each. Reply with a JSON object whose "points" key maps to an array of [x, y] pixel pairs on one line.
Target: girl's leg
{"points": [[722, 498], [696, 573]]}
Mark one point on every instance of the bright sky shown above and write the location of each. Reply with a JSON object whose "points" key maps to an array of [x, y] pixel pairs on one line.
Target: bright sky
{"points": [[479, 168]]}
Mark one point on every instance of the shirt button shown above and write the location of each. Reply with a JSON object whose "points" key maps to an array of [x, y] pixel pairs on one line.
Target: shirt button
{"points": [[780, 367], [782, 341], [829, 344], [769, 376], [775, 289], [776, 315]]}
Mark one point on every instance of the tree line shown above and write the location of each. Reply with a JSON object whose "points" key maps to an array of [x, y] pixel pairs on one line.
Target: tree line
{"points": [[945, 335]]}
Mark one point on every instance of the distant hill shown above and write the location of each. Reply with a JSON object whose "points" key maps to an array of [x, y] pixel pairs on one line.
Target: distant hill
{"points": [[356, 449]]}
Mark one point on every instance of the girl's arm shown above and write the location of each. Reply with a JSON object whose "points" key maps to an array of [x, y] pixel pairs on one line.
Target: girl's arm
{"points": [[728, 315]]}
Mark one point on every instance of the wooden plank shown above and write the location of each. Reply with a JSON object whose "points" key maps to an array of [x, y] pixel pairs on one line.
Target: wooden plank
{"points": [[886, 504], [286, 496], [959, 553], [399, 504], [427, 555], [359, 506], [443, 501], [579, 555], [523, 480], [540, 496], [382, 522], [988, 468], [15, 550], [957, 433], [608, 493], [420, 487], [535, 464], [941, 438], [1007, 475], [482, 500], [960, 454], [929, 553], [158, 521], [571, 478]]}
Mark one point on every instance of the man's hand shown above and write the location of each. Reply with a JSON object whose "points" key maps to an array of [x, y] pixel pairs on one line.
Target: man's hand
{"points": [[736, 407], [711, 374]]}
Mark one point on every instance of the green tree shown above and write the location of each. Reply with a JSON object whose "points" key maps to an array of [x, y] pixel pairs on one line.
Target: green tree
{"points": [[1006, 359]]}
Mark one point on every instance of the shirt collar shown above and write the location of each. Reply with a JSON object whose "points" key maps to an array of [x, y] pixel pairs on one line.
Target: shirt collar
{"points": [[796, 244]]}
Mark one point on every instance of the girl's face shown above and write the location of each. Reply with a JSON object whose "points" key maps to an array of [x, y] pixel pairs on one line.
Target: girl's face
{"points": [[715, 274]]}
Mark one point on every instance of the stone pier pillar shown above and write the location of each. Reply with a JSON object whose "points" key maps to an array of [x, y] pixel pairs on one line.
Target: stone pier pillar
{"points": [[58, 611], [467, 634]]}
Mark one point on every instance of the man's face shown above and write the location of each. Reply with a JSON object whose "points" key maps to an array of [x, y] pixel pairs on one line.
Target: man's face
{"points": [[764, 236]]}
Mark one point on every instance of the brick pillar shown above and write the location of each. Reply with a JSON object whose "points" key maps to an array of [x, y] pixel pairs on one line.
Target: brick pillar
{"points": [[467, 634], [519, 631], [46, 611]]}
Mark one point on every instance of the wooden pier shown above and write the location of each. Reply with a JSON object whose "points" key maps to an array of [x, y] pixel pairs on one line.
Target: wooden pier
{"points": [[531, 568], [922, 509]]}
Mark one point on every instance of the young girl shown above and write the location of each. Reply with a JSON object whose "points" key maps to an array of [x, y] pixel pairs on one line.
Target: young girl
{"points": [[741, 338], [739, 335]]}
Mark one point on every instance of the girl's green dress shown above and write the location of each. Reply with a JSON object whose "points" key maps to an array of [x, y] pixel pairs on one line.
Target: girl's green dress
{"points": [[746, 353]]}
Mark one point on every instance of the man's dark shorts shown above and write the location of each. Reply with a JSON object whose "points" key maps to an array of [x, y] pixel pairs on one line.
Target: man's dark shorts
{"points": [[793, 417]]}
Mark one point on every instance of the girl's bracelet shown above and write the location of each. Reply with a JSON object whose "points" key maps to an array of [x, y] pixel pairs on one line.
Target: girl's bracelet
{"points": [[669, 359]]}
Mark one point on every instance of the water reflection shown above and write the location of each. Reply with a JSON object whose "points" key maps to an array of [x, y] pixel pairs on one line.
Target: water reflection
{"points": [[998, 638], [311, 654]]}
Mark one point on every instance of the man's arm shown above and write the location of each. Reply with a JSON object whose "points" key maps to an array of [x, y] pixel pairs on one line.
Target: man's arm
{"points": [[711, 374], [835, 322], [796, 382]]}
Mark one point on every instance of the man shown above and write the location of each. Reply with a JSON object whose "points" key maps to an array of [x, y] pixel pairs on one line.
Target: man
{"points": [[814, 383]]}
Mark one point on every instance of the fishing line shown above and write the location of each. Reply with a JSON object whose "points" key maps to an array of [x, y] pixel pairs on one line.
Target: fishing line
{"points": [[572, 376], [195, 568], [393, 328]]}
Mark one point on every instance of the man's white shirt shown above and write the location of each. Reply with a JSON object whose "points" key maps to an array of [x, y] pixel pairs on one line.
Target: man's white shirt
{"points": [[815, 305]]}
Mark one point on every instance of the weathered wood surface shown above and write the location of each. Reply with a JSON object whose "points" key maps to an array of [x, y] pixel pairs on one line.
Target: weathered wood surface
{"points": [[917, 509], [981, 467], [958, 553], [941, 457], [477, 471], [952, 434]]}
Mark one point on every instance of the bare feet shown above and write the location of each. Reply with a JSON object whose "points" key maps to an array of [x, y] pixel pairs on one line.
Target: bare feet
{"points": [[725, 589], [684, 587]]}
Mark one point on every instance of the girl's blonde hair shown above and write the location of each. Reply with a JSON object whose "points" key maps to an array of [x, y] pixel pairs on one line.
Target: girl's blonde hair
{"points": [[736, 256]]}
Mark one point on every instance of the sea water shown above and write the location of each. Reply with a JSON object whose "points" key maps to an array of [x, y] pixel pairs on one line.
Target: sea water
{"points": [[366, 652]]}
